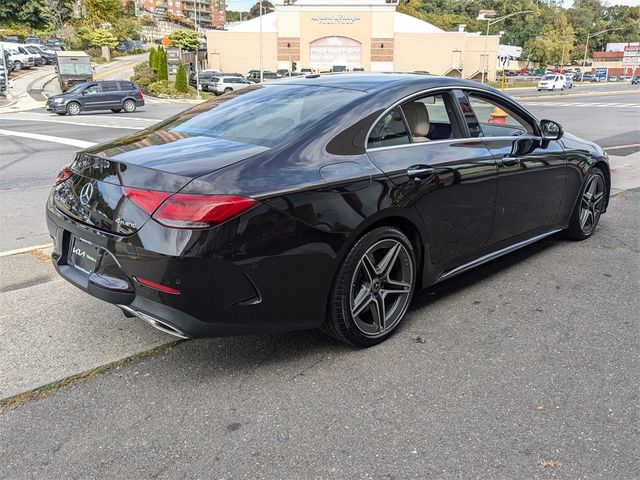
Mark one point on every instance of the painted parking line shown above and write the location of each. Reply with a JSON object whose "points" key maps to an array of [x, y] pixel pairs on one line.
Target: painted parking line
{"points": [[67, 122], [18, 251], [48, 138]]}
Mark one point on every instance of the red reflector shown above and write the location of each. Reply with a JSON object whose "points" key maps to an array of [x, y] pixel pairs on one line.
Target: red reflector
{"points": [[157, 286], [200, 211], [63, 175], [140, 94], [147, 200]]}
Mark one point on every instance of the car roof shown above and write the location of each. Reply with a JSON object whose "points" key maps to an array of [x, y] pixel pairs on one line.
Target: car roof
{"points": [[369, 82]]}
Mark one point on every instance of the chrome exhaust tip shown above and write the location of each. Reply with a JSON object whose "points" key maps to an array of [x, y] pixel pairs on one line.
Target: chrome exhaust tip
{"points": [[156, 322]]}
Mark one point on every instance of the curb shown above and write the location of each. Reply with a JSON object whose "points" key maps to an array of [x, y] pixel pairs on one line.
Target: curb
{"points": [[579, 94]]}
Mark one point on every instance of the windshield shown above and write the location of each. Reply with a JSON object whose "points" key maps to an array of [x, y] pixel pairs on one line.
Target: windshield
{"points": [[32, 49], [265, 116], [75, 69], [549, 77], [76, 88]]}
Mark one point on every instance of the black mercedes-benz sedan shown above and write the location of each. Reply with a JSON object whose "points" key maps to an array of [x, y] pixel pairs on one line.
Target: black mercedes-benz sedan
{"points": [[321, 201]]}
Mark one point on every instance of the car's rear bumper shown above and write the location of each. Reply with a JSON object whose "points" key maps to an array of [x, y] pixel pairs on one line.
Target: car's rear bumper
{"points": [[283, 286]]}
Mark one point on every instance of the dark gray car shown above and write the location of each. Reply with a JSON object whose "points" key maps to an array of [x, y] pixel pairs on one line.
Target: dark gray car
{"points": [[106, 95]]}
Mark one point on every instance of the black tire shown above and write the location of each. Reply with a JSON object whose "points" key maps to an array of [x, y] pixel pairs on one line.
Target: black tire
{"points": [[116, 110], [73, 108], [227, 90], [129, 106], [364, 275], [592, 197], [17, 65]]}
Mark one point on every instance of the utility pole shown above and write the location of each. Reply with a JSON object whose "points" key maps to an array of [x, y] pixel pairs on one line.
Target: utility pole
{"points": [[195, 22], [261, 55], [586, 47]]}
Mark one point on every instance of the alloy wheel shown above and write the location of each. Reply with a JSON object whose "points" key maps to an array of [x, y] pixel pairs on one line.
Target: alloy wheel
{"points": [[381, 287], [591, 203], [73, 109], [129, 106]]}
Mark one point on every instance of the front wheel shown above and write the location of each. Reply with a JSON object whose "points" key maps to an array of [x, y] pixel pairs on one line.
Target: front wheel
{"points": [[589, 206], [17, 65], [372, 289], [73, 108], [129, 106], [228, 90]]}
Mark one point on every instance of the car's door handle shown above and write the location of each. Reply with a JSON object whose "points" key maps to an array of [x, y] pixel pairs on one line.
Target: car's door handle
{"points": [[510, 161], [420, 172]]}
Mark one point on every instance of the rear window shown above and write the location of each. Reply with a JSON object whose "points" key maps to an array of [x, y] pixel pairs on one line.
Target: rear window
{"points": [[109, 87], [126, 85], [266, 116]]}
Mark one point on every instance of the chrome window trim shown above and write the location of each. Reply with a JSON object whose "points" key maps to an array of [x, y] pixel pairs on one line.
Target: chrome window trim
{"points": [[448, 89], [483, 140]]}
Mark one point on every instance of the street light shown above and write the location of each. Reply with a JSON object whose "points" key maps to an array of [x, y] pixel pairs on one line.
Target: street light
{"points": [[586, 46], [485, 63]]}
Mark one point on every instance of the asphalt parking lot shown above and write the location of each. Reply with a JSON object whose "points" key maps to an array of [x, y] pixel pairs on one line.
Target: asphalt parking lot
{"points": [[526, 367]]}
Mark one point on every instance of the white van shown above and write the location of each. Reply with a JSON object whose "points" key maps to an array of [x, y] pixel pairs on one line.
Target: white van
{"points": [[552, 81], [20, 59]]}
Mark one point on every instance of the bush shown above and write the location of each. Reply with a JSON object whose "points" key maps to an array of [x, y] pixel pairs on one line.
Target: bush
{"points": [[166, 89], [181, 80], [143, 75], [152, 59]]}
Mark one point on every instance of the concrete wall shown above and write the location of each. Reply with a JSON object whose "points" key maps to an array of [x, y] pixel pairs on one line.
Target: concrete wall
{"points": [[239, 51]]}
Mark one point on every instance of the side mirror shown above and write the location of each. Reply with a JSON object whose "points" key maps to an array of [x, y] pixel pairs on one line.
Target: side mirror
{"points": [[551, 130]]}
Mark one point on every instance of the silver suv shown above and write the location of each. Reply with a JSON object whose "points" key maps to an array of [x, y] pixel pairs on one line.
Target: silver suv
{"points": [[224, 84]]}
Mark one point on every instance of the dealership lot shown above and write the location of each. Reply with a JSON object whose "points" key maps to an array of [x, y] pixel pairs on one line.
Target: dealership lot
{"points": [[524, 367]]}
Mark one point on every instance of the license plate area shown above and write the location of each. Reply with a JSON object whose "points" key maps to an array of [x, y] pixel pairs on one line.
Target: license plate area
{"points": [[83, 255]]}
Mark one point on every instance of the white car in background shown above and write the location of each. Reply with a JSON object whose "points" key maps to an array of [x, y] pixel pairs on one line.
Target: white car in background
{"points": [[553, 81]]}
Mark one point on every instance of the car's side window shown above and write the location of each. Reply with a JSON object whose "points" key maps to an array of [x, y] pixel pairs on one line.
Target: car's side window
{"points": [[494, 119], [109, 86], [390, 130], [91, 89], [430, 118]]}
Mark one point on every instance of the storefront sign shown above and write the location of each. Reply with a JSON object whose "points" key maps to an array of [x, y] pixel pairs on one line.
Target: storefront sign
{"points": [[631, 57], [335, 19]]}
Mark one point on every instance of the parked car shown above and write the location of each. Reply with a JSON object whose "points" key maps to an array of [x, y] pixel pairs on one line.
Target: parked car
{"points": [[202, 75], [635, 80], [254, 76], [47, 55], [306, 71], [223, 220], [102, 95], [587, 77], [225, 84], [56, 43], [40, 60], [131, 45], [552, 81], [283, 72], [20, 60], [613, 78], [339, 68], [568, 82], [32, 39]]}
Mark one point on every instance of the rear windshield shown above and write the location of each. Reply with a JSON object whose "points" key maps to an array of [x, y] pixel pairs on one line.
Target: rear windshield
{"points": [[74, 68], [266, 116]]}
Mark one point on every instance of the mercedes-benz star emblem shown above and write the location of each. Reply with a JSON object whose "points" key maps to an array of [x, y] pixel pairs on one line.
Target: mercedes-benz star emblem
{"points": [[86, 193]]}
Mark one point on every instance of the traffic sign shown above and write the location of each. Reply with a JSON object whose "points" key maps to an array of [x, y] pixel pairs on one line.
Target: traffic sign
{"points": [[503, 60], [166, 42]]}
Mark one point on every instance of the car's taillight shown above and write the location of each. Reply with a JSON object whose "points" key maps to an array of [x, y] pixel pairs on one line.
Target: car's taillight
{"points": [[147, 200], [63, 175], [140, 94], [183, 210], [200, 211]]}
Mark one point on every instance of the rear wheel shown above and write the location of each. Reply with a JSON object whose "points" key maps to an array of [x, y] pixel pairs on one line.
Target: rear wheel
{"points": [[73, 108], [129, 106], [373, 288], [17, 65], [589, 206]]}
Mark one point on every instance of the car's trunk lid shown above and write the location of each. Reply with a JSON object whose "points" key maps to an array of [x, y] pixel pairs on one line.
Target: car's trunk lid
{"points": [[96, 193]]}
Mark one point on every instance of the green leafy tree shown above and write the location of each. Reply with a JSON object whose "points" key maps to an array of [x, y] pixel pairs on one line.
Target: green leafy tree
{"points": [[161, 65], [181, 80], [103, 37], [188, 40], [127, 28], [56, 13], [100, 12]]}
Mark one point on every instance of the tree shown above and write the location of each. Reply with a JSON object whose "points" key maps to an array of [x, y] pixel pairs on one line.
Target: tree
{"points": [[188, 40], [161, 64], [127, 28], [267, 7], [100, 12], [103, 37], [55, 12], [152, 59], [181, 80]]}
